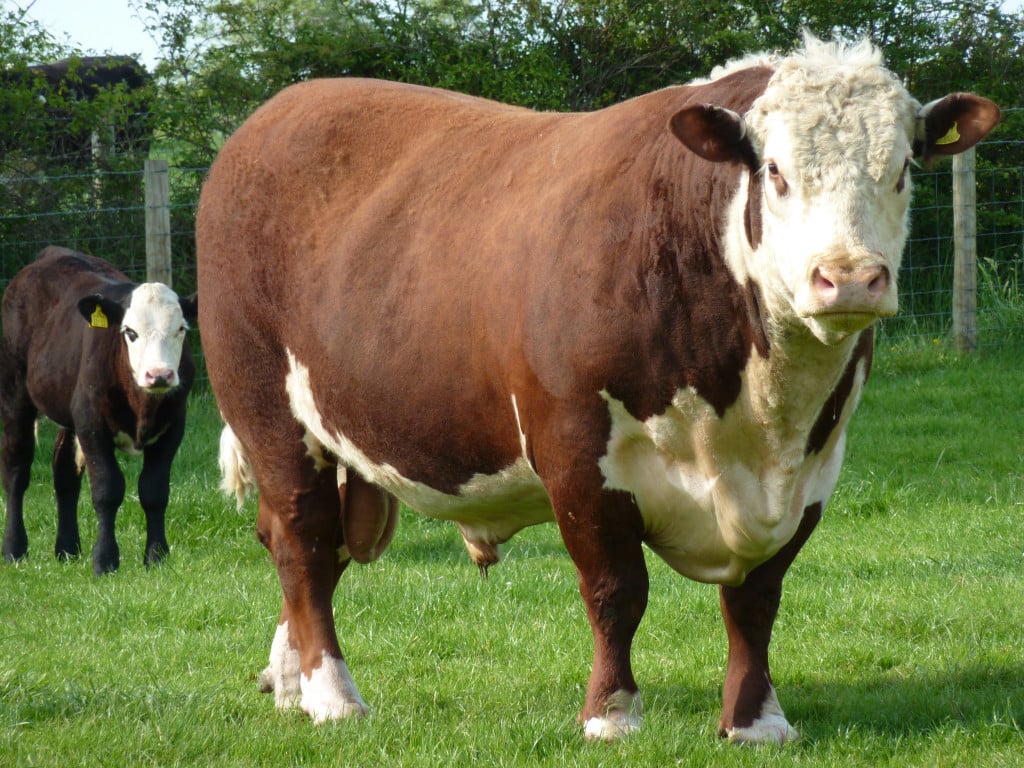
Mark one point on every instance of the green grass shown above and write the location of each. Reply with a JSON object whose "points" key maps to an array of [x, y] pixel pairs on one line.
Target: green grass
{"points": [[899, 642]]}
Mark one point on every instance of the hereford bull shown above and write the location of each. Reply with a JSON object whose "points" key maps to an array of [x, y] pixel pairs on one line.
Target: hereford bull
{"points": [[108, 361], [649, 323]]}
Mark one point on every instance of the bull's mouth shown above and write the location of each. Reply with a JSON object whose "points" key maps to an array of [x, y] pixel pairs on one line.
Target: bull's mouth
{"points": [[831, 327]]}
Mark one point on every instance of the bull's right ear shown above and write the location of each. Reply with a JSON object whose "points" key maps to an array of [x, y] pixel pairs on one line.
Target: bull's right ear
{"points": [[100, 311], [714, 133]]}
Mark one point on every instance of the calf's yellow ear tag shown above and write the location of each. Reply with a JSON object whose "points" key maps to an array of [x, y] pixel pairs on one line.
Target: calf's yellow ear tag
{"points": [[98, 319], [952, 136]]}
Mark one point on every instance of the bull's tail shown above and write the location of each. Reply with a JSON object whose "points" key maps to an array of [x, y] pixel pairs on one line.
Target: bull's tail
{"points": [[237, 477]]}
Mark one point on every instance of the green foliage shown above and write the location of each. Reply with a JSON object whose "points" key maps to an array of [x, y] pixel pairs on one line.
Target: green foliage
{"points": [[65, 148], [221, 59]]}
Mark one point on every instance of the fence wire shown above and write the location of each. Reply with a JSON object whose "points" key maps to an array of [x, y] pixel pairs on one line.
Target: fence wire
{"points": [[108, 219]]}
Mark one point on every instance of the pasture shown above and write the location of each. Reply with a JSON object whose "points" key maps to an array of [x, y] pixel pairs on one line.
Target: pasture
{"points": [[900, 640]]}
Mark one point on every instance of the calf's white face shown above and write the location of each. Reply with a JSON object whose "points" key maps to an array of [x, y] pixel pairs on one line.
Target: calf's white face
{"points": [[154, 329]]}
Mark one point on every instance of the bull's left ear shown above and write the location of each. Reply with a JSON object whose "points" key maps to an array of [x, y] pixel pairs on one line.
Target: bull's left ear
{"points": [[714, 133], [190, 307], [100, 311], [950, 125]]}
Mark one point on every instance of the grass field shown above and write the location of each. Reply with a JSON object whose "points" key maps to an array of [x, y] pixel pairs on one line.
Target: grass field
{"points": [[900, 641]]}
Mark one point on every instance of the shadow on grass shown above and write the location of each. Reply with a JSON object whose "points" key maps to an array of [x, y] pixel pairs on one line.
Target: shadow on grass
{"points": [[886, 706]]}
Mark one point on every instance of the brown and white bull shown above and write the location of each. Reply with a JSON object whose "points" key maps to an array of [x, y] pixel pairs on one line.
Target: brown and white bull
{"points": [[649, 324], [108, 361]]}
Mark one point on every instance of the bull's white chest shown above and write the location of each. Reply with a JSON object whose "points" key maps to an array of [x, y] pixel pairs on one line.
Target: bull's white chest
{"points": [[720, 495]]}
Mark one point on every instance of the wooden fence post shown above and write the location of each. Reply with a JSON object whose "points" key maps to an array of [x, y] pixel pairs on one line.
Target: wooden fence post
{"points": [[158, 222], [965, 254]]}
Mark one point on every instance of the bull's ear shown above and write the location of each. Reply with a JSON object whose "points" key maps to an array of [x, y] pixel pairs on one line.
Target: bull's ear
{"points": [[100, 311], [714, 133], [190, 307], [950, 125]]}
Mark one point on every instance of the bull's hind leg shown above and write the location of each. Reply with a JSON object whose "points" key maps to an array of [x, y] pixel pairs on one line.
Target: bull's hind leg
{"points": [[300, 524], [750, 709], [17, 449], [68, 465]]}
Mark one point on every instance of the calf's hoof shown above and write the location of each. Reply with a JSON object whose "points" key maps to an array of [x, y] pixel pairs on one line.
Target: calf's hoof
{"points": [[155, 554], [105, 561], [15, 548]]}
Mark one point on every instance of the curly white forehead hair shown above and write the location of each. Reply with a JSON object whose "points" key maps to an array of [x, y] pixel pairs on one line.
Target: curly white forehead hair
{"points": [[833, 97]]}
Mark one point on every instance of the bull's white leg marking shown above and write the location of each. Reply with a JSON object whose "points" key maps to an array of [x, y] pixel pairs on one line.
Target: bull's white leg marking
{"points": [[625, 711], [771, 727], [282, 673], [329, 693], [519, 427]]}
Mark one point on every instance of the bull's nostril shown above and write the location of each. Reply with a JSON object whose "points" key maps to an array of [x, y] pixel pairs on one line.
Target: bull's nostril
{"points": [[822, 284], [879, 283]]}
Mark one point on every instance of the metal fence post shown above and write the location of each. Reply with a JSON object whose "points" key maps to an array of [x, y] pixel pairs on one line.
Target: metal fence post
{"points": [[158, 222]]}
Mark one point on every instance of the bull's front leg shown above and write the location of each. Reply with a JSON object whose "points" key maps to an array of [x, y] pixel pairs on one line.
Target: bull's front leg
{"points": [[107, 484], [604, 541], [306, 666], [751, 713]]}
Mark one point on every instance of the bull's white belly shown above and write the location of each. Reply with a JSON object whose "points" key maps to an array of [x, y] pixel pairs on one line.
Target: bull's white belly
{"points": [[717, 496]]}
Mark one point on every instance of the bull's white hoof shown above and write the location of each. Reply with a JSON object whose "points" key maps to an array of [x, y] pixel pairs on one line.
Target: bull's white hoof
{"points": [[282, 673], [329, 693], [622, 717], [770, 728]]}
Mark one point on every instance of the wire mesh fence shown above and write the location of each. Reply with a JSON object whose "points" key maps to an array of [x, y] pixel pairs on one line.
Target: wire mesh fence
{"points": [[104, 214]]}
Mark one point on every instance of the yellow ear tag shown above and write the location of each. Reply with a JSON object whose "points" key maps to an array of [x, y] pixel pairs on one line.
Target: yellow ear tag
{"points": [[98, 319], [951, 137]]}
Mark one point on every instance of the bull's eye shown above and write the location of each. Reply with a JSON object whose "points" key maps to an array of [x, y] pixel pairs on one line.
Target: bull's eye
{"points": [[129, 333], [902, 183], [777, 179]]}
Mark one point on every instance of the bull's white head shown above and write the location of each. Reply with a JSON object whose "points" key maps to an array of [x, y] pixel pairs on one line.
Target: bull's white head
{"points": [[820, 219], [152, 320]]}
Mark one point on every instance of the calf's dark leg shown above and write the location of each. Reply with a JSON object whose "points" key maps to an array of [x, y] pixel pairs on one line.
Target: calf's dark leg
{"points": [[17, 449], [155, 489], [750, 708], [107, 484], [67, 485]]}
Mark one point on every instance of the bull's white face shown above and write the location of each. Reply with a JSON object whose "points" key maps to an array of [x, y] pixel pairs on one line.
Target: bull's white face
{"points": [[154, 329], [834, 191]]}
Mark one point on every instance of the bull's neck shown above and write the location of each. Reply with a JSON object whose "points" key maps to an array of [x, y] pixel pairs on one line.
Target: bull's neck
{"points": [[791, 389]]}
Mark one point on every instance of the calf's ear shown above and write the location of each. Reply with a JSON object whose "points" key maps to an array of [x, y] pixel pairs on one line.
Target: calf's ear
{"points": [[952, 124], [190, 307], [101, 312], [715, 133]]}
